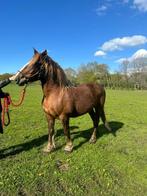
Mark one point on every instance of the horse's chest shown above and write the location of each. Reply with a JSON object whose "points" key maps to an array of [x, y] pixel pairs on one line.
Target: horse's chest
{"points": [[51, 106], [45, 105]]}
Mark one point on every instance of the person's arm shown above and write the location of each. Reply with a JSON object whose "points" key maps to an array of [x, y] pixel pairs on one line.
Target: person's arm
{"points": [[7, 81], [2, 94], [4, 82]]}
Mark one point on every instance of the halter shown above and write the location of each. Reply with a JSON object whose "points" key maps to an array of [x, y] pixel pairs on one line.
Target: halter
{"points": [[40, 71], [23, 75], [42, 68]]}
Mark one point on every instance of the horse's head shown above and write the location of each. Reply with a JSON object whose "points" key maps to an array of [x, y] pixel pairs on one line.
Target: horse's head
{"points": [[32, 71]]}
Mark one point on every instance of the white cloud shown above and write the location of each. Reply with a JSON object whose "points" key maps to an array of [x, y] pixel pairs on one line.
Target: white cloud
{"points": [[99, 53], [138, 55], [141, 5], [101, 10], [121, 43], [121, 60]]}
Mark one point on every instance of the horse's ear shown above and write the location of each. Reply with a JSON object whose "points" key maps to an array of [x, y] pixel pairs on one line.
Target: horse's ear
{"points": [[35, 51], [44, 53]]}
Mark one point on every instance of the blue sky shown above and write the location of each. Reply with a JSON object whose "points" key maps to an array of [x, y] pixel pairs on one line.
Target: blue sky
{"points": [[73, 31]]}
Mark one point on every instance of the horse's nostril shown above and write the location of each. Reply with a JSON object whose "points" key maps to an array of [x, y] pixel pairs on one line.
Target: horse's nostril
{"points": [[17, 80], [21, 81]]}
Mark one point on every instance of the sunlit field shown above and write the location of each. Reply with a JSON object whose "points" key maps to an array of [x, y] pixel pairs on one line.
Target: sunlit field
{"points": [[115, 165]]}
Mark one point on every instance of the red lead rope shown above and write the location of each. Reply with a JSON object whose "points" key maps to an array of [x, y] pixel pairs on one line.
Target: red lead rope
{"points": [[6, 103], [5, 111]]}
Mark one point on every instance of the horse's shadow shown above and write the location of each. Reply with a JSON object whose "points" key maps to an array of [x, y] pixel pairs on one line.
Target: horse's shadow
{"points": [[86, 134], [16, 149]]}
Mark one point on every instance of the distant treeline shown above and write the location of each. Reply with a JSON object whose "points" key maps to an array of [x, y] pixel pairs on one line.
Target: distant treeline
{"points": [[5, 76], [130, 76]]}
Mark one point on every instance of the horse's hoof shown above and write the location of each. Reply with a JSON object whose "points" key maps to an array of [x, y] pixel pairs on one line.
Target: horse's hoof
{"points": [[48, 149], [68, 148], [108, 127], [92, 140]]}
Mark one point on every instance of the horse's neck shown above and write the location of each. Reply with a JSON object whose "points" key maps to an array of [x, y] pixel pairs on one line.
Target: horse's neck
{"points": [[48, 88]]}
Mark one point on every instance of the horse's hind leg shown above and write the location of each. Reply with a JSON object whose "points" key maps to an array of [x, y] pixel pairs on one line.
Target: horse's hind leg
{"points": [[103, 117], [95, 119], [69, 144], [51, 144]]}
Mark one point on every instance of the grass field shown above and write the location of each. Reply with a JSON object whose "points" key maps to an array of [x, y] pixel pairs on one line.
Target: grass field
{"points": [[115, 165]]}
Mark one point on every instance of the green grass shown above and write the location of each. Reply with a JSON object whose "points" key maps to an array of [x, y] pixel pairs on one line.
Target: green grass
{"points": [[115, 165]]}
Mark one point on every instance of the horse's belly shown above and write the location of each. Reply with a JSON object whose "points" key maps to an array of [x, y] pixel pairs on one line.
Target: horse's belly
{"points": [[80, 110]]}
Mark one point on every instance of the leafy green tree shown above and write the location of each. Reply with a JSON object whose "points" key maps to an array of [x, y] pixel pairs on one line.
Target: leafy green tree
{"points": [[93, 72]]}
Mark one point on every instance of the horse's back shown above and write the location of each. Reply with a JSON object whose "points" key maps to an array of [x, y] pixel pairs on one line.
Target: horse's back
{"points": [[85, 97], [93, 89]]}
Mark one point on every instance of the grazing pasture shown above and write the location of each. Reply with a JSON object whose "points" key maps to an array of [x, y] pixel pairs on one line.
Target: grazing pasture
{"points": [[115, 165]]}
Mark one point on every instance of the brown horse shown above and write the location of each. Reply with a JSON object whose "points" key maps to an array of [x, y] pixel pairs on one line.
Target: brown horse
{"points": [[61, 99]]}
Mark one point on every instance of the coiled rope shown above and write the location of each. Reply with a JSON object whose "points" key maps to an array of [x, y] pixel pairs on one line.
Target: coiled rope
{"points": [[7, 102]]}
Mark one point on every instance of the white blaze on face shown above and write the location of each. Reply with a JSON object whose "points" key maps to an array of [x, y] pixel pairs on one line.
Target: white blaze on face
{"points": [[15, 76]]}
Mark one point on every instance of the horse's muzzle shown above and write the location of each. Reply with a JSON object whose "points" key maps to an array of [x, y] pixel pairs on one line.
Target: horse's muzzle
{"points": [[21, 81]]}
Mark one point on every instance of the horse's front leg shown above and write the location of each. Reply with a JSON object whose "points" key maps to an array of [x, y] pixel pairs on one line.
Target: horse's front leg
{"points": [[69, 144], [51, 143]]}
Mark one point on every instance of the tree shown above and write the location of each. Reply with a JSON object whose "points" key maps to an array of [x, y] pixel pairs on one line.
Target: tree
{"points": [[139, 72], [125, 71], [93, 72], [5, 76], [71, 75]]}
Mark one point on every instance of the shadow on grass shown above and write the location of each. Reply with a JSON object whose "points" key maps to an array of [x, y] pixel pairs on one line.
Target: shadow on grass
{"points": [[86, 134], [16, 149]]}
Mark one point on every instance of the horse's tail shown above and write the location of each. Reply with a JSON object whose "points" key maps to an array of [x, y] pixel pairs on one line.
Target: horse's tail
{"points": [[102, 112]]}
